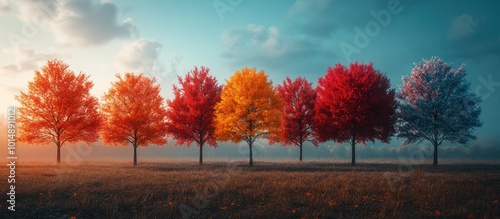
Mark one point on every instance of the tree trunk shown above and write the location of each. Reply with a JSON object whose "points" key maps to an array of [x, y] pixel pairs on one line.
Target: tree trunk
{"points": [[201, 154], [300, 154], [353, 145], [435, 163], [251, 157], [135, 155], [58, 152]]}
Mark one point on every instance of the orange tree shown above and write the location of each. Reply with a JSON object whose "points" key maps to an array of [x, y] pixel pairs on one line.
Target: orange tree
{"points": [[58, 108], [134, 113], [250, 108]]}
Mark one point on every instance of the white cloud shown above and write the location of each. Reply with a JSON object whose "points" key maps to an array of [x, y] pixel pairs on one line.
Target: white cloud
{"points": [[174, 62], [232, 38], [82, 22], [5, 7], [272, 44], [267, 47], [257, 38], [255, 29], [140, 56], [462, 26], [26, 60]]}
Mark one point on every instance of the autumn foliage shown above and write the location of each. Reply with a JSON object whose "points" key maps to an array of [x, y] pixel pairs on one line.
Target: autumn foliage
{"points": [[436, 105], [58, 108], [352, 104], [355, 105], [134, 113], [298, 112], [250, 108], [191, 113]]}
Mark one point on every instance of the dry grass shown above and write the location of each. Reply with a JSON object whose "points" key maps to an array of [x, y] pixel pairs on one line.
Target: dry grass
{"points": [[220, 189]]}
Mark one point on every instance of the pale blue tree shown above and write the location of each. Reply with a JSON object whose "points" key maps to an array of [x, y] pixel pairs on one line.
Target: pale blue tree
{"points": [[436, 104]]}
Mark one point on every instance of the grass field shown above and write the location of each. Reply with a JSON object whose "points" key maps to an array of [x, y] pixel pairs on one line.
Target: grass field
{"points": [[270, 189]]}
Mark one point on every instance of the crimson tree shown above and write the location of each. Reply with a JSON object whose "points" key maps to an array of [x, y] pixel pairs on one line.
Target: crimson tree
{"points": [[299, 97], [354, 104], [191, 113]]}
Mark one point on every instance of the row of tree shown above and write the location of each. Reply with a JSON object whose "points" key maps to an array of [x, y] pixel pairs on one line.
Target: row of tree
{"points": [[352, 104]]}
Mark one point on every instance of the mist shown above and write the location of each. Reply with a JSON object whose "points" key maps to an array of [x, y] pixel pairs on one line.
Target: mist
{"points": [[481, 149]]}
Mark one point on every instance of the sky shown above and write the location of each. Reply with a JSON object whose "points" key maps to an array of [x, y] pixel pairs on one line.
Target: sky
{"points": [[166, 39]]}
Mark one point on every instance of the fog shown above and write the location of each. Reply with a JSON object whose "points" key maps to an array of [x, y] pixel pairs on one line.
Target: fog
{"points": [[481, 149], [484, 148]]}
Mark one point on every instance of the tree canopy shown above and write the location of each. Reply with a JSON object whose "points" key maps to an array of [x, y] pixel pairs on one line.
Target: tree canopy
{"points": [[191, 112], [134, 112], [355, 105], [435, 104], [250, 108], [58, 108]]}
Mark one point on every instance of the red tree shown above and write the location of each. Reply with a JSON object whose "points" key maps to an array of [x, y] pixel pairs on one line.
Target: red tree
{"points": [[298, 112], [191, 113], [355, 104]]}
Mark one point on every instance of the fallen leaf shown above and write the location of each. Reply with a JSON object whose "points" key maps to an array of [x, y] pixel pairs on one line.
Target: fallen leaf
{"points": [[437, 212], [470, 216]]}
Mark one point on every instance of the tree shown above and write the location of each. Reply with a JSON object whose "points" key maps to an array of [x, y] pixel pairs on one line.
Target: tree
{"points": [[250, 108], [192, 111], [354, 104], [435, 104], [58, 108], [134, 113], [298, 112]]}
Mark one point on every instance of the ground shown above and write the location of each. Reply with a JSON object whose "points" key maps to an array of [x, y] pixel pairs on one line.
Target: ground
{"points": [[270, 189]]}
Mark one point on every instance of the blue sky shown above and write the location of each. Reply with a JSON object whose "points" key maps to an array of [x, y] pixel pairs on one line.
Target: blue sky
{"points": [[283, 38]]}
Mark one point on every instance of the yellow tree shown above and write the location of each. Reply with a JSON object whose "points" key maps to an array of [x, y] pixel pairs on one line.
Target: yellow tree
{"points": [[250, 108], [58, 108], [134, 113]]}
